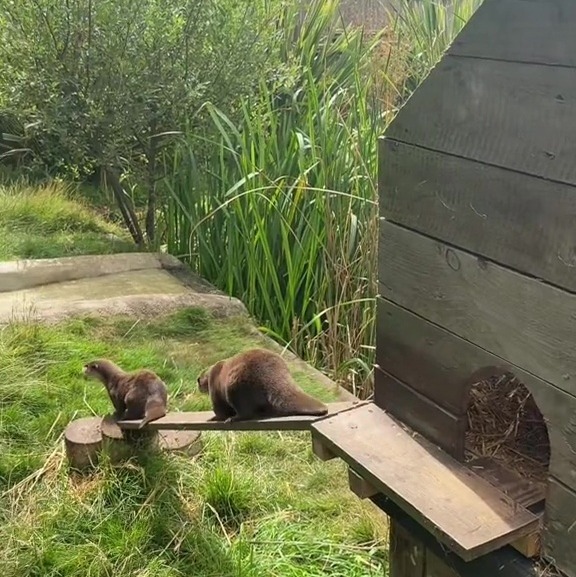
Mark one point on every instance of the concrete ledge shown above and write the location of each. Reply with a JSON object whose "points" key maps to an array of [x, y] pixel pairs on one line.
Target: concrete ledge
{"points": [[25, 274], [139, 306]]}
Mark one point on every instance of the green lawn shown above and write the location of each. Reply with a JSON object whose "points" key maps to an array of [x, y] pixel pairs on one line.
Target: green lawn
{"points": [[252, 504], [48, 222]]}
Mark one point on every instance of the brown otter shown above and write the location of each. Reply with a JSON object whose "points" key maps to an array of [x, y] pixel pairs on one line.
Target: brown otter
{"points": [[138, 395], [255, 383]]}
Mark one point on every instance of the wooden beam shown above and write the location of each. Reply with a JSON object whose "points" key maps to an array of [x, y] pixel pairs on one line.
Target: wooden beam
{"points": [[407, 554], [200, 421], [530, 545], [359, 486], [505, 562], [321, 450], [461, 509]]}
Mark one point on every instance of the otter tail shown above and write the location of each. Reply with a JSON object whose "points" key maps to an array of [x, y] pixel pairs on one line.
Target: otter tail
{"points": [[155, 409], [304, 404]]}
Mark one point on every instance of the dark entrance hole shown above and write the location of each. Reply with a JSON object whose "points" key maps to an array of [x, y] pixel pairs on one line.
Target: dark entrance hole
{"points": [[507, 435]]}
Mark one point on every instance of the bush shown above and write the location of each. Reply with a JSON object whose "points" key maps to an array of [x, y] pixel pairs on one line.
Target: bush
{"points": [[102, 85]]}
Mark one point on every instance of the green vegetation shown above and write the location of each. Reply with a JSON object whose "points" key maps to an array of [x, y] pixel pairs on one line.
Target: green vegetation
{"points": [[281, 209], [50, 221], [252, 504], [283, 202], [241, 135], [424, 30]]}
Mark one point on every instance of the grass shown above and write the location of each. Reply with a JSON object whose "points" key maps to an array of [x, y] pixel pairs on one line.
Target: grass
{"points": [[252, 504], [50, 221], [423, 31]]}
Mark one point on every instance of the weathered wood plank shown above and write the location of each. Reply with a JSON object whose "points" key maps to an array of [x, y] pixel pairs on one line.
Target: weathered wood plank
{"points": [[430, 361], [559, 536], [530, 324], [530, 545], [449, 363], [540, 31], [505, 562], [465, 512], [200, 421], [437, 567], [321, 450], [518, 116], [517, 220], [420, 413], [523, 491]]}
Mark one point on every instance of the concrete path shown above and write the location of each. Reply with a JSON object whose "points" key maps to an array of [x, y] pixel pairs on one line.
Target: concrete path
{"points": [[143, 284]]}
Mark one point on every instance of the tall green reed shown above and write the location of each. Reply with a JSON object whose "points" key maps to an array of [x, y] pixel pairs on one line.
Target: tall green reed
{"points": [[427, 28], [280, 209]]}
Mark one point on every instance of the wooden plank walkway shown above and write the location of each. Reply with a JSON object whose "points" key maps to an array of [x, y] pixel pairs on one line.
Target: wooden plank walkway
{"points": [[461, 509], [199, 421]]}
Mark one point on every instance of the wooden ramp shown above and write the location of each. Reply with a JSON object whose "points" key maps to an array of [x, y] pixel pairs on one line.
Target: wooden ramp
{"points": [[200, 421], [461, 509]]}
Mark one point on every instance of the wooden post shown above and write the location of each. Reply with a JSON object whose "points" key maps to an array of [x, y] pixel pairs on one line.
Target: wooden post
{"points": [[415, 552], [407, 554]]}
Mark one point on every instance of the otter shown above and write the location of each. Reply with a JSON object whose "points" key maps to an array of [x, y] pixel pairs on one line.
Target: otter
{"points": [[255, 384], [138, 395]]}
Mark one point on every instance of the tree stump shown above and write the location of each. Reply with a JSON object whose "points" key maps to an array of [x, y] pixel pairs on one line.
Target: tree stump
{"points": [[186, 442], [83, 442], [86, 439], [121, 444]]}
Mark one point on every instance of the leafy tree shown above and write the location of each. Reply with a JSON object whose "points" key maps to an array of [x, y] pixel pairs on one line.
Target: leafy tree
{"points": [[99, 87]]}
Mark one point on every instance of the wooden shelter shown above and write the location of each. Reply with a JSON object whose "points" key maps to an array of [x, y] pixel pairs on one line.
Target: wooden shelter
{"points": [[477, 280]]}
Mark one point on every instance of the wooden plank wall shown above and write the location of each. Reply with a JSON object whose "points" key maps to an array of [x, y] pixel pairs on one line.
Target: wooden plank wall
{"points": [[477, 255]]}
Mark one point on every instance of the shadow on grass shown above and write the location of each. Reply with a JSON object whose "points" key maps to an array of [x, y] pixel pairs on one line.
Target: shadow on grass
{"points": [[144, 517]]}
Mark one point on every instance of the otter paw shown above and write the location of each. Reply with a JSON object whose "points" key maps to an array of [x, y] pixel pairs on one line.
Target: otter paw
{"points": [[217, 418]]}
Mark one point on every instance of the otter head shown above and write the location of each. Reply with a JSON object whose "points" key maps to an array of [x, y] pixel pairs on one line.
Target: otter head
{"points": [[206, 379], [99, 370]]}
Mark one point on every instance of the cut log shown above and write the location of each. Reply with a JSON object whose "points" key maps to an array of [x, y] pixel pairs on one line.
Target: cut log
{"points": [[83, 442], [86, 439], [186, 442], [121, 445]]}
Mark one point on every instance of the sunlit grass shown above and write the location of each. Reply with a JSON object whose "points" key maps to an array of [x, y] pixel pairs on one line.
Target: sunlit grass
{"points": [[45, 221], [251, 504]]}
